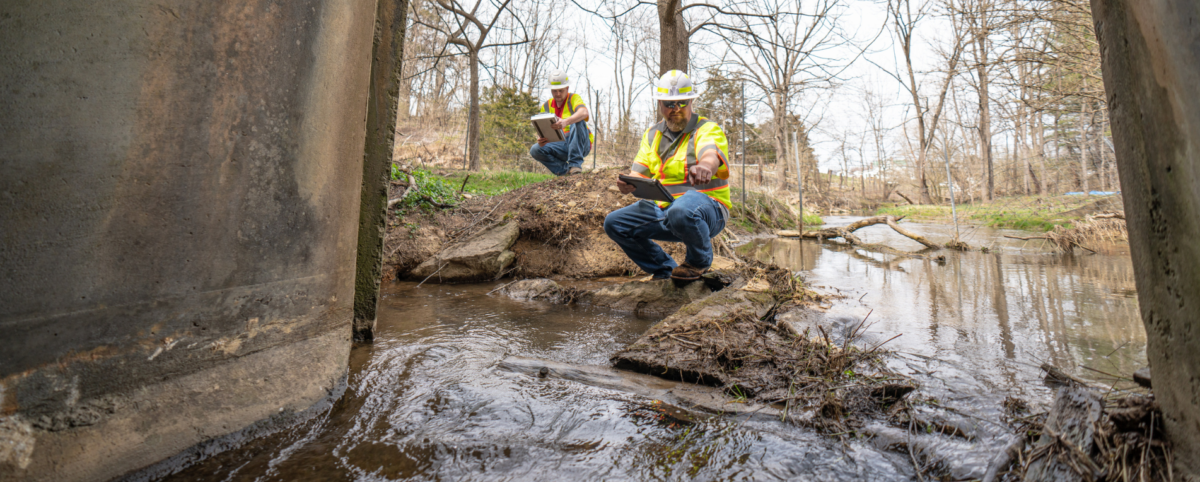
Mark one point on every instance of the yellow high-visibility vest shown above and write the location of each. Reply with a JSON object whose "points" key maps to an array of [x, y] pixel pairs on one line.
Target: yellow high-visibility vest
{"points": [[565, 111], [700, 136]]}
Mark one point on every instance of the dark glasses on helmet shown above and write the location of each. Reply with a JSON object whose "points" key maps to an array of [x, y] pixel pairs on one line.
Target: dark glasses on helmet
{"points": [[674, 104]]}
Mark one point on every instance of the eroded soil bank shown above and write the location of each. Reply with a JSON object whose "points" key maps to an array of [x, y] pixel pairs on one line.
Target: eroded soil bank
{"points": [[559, 226]]}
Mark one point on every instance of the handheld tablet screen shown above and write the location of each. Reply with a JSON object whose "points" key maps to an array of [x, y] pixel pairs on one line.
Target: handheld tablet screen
{"points": [[648, 188]]}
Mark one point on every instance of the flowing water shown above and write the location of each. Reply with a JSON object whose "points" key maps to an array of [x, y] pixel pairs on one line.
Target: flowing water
{"points": [[430, 401]]}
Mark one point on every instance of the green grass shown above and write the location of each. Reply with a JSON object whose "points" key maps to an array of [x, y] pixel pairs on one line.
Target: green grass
{"points": [[1030, 213], [491, 183]]}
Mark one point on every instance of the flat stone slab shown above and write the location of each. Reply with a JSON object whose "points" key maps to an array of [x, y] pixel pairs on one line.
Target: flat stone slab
{"points": [[483, 256]]}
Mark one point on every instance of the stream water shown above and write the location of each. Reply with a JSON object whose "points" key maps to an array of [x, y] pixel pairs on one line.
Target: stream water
{"points": [[427, 400]]}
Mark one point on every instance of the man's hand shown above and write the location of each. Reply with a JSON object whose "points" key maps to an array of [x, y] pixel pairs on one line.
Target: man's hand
{"points": [[625, 187], [542, 141], [699, 174], [561, 124]]}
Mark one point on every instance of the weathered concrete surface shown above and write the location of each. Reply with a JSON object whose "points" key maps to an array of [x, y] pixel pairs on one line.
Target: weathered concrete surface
{"points": [[179, 197], [388, 50], [1151, 57]]}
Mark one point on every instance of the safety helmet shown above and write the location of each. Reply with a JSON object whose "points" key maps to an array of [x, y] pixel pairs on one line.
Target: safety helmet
{"points": [[558, 80], [675, 85]]}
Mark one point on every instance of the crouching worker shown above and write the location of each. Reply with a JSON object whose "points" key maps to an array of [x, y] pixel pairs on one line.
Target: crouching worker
{"points": [[566, 157], [687, 153]]}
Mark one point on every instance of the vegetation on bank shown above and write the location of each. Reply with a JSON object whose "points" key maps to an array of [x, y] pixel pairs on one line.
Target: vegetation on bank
{"points": [[1030, 213], [763, 212], [492, 183]]}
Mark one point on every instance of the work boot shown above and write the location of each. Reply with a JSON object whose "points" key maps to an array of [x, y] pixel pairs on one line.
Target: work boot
{"points": [[574, 170], [686, 272]]}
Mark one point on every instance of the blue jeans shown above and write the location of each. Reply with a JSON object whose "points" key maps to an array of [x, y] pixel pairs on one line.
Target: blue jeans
{"points": [[560, 157], [693, 219]]}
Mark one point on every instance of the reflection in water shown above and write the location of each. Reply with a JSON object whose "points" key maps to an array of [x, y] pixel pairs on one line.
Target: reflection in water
{"points": [[426, 401], [984, 320]]}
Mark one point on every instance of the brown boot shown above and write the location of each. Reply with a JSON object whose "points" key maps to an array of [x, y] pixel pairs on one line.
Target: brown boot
{"points": [[686, 272]]}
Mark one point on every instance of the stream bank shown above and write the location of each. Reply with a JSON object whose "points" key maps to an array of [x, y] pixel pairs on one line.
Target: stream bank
{"points": [[435, 397]]}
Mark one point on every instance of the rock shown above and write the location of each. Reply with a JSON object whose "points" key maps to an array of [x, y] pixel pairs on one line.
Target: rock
{"points": [[1142, 377], [16, 444], [658, 354], [531, 289], [483, 256], [813, 324], [540, 290], [721, 263], [657, 296]]}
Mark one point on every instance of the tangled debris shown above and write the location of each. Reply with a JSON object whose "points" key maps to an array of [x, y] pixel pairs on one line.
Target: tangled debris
{"points": [[1101, 227], [1089, 434], [736, 340]]}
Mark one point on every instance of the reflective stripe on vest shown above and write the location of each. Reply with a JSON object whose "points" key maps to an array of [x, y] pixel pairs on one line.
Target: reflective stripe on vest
{"points": [[673, 176]]}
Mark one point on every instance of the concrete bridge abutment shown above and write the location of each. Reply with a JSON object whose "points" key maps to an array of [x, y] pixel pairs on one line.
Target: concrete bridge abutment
{"points": [[180, 194], [1151, 60]]}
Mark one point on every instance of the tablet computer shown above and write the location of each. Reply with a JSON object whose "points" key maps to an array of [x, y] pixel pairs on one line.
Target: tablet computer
{"points": [[650, 189], [544, 125]]}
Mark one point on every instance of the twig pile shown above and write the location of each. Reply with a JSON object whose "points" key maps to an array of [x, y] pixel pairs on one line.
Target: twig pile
{"points": [[821, 384], [1126, 444], [1104, 227]]}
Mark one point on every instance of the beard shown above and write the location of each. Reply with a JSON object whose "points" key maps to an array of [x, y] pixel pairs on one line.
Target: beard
{"points": [[676, 122]]}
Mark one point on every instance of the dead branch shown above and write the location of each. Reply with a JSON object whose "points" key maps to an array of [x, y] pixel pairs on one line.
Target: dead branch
{"points": [[412, 186], [911, 235]]}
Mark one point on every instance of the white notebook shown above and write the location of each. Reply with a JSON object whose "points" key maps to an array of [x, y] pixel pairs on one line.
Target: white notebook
{"points": [[544, 124]]}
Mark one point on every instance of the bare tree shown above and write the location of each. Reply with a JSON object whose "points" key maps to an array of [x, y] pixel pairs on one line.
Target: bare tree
{"points": [[981, 17], [784, 54], [464, 29], [905, 19]]}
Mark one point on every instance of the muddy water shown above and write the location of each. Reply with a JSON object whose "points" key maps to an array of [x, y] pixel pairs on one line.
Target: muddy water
{"points": [[429, 401]]}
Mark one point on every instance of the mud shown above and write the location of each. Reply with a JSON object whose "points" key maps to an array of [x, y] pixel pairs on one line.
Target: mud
{"points": [[561, 224]]}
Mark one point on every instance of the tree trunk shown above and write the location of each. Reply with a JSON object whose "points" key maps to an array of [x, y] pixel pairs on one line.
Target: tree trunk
{"points": [[782, 150], [912, 79], [673, 37], [1039, 136], [1083, 146], [1149, 51], [985, 113], [473, 113]]}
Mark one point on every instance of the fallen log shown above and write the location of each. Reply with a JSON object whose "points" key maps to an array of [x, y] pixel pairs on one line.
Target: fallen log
{"points": [[911, 235], [846, 233]]}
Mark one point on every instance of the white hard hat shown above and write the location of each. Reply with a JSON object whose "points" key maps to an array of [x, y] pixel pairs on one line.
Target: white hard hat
{"points": [[675, 85], [559, 80]]}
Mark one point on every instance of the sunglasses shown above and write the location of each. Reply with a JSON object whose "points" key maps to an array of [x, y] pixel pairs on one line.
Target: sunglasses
{"points": [[674, 104]]}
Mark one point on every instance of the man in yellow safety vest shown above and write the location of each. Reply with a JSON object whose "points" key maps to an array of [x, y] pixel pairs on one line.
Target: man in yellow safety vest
{"points": [[688, 154], [565, 157]]}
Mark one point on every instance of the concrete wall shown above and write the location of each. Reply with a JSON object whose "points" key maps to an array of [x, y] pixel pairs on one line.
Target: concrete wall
{"points": [[1151, 58], [391, 22], [179, 200]]}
